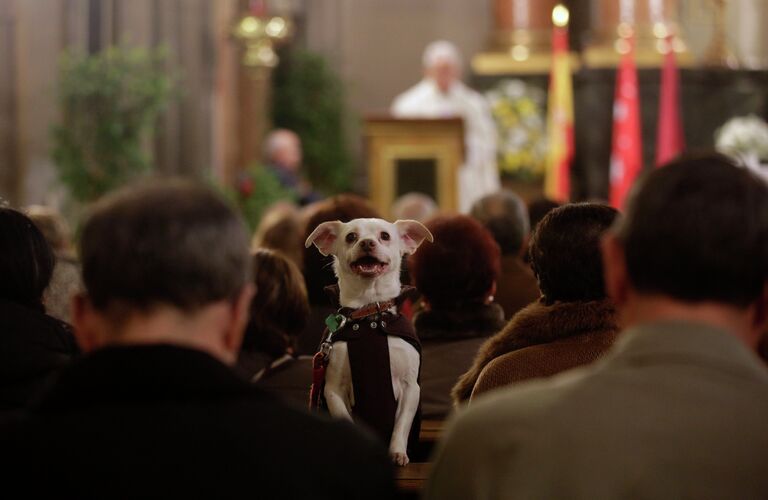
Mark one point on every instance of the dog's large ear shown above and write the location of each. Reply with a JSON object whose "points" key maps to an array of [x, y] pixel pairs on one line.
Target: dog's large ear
{"points": [[324, 235], [412, 234]]}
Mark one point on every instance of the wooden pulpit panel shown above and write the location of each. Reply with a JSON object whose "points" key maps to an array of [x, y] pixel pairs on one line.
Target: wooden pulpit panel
{"points": [[406, 155]]}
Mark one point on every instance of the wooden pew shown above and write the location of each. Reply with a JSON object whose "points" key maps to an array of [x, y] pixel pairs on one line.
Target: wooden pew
{"points": [[412, 478]]}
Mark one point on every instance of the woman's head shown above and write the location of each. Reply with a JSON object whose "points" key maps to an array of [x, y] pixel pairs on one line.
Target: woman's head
{"points": [[460, 267], [280, 229], [565, 252], [26, 259], [318, 270], [279, 310]]}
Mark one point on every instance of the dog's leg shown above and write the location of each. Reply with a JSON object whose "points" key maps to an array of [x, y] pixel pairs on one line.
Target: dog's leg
{"points": [[338, 383], [404, 365]]}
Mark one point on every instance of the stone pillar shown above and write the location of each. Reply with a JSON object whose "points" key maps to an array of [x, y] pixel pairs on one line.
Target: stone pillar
{"points": [[652, 20], [522, 26], [521, 40], [745, 25], [11, 167]]}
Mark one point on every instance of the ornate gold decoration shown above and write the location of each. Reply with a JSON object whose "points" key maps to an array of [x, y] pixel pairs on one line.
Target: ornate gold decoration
{"points": [[718, 53], [259, 36]]}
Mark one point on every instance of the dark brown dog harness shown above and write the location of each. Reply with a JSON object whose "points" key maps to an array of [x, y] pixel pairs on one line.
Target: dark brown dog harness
{"points": [[365, 331]]}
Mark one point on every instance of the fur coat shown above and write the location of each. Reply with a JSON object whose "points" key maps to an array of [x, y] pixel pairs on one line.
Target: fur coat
{"points": [[538, 324]]}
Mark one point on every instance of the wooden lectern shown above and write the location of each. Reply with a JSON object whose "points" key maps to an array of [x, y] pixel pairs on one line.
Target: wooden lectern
{"points": [[407, 155]]}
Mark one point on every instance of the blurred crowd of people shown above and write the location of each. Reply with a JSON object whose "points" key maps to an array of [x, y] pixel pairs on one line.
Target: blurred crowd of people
{"points": [[576, 351]]}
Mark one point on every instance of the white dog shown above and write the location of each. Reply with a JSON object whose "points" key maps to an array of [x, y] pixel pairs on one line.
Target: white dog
{"points": [[367, 255]]}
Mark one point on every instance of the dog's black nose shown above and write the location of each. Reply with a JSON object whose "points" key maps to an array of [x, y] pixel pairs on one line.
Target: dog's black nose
{"points": [[368, 244]]}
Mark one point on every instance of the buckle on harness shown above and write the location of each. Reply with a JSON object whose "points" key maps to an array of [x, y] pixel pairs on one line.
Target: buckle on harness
{"points": [[325, 349]]}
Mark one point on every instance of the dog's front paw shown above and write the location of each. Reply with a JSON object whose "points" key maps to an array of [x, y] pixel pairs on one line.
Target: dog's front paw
{"points": [[400, 459]]}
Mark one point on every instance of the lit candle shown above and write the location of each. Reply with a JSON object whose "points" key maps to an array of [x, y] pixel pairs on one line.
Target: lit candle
{"points": [[521, 11], [627, 12], [560, 16]]}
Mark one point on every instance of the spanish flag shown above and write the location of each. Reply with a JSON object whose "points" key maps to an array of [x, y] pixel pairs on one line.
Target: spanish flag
{"points": [[627, 145], [557, 180]]}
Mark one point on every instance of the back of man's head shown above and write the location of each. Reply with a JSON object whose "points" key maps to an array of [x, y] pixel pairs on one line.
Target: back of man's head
{"points": [[504, 214], [696, 230], [172, 243]]}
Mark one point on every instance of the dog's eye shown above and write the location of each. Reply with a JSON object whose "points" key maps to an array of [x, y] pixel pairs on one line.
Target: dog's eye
{"points": [[385, 236], [351, 237]]}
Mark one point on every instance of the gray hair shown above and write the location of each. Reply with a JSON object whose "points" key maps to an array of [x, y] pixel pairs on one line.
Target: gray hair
{"points": [[171, 242], [505, 215], [415, 206], [441, 50], [278, 139]]}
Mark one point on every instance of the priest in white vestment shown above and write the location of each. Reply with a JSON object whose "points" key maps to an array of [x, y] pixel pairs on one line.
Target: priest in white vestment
{"points": [[441, 94]]}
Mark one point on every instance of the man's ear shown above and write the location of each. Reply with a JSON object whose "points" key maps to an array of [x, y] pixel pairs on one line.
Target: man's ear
{"points": [[241, 308], [324, 236], [412, 234], [614, 269], [84, 323]]}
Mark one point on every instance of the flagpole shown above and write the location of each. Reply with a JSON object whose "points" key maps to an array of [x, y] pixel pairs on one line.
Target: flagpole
{"points": [[626, 148], [560, 147]]}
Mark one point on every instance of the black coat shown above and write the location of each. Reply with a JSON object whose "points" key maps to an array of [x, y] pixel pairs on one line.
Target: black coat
{"points": [[34, 347], [166, 422]]}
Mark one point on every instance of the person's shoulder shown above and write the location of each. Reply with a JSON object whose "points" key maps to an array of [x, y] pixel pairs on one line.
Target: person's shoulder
{"points": [[314, 426], [522, 406], [344, 456], [411, 100]]}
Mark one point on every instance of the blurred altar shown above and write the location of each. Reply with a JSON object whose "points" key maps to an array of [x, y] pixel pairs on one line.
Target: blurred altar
{"points": [[223, 106]]}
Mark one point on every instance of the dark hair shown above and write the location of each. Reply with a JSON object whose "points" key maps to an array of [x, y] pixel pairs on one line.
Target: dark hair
{"points": [[505, 215], [538, 208], [461, 265], [279, 310], [697, 230], [172, 242], [318, 270], [565, 252], [26, 260]]}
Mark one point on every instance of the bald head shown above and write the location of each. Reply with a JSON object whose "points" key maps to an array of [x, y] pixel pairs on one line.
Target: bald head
{"points": [[282, 147]]}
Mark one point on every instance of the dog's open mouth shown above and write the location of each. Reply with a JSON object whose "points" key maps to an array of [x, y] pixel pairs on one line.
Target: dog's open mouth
{"points": [[368, 266]]}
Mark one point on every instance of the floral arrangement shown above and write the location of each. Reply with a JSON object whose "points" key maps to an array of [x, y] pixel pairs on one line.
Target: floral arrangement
{"points": [[519, 112], [746, 138]]}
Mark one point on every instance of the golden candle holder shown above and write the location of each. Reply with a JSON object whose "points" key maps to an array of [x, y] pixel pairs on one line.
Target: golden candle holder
{"points": [[259, 35]]}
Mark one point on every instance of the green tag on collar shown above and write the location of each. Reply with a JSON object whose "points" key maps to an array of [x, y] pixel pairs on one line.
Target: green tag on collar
{"points": [[334, 322]]}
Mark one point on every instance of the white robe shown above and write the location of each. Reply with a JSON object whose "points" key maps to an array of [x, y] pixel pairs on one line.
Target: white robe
{"points": [[479, 175]]}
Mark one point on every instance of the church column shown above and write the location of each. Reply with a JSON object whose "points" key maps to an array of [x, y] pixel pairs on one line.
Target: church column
{"points": [[652, 21], [745, 23], [258, 33], [11, 171], [522, 26]]}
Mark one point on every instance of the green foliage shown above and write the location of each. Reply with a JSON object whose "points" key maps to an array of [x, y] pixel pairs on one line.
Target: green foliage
{"points": [[254, 192], [109, 102], [308, 99]]}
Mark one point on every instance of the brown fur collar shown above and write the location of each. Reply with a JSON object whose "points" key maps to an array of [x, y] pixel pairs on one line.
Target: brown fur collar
{"points": [[538, 324]]}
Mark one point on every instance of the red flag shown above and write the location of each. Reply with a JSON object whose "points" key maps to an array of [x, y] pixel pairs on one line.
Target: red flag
{"points": [[669, 140], [626, 154], [557, 185]]}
